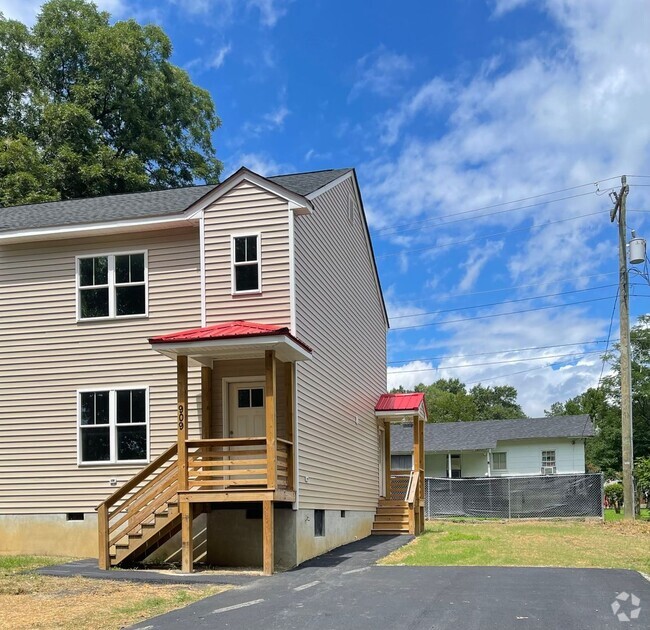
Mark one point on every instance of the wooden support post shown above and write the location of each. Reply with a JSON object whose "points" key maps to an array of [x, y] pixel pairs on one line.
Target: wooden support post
{"points": [[181, 386], [290, 413], [271, 419], [387, 464], [187, 542], [267, 542], [102, 522], [206, 402]]}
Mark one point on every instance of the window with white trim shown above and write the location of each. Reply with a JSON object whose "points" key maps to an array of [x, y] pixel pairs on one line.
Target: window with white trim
{"points": [[548, 459], [112, 285], [499, 461], [246, 264], [113, 425]]}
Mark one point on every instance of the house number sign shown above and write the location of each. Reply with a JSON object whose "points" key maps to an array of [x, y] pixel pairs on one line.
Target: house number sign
{"points": [[181, 417]]}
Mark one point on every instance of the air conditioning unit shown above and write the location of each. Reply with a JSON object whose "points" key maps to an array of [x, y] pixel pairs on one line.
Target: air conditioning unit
{"points": [[549, 470]]}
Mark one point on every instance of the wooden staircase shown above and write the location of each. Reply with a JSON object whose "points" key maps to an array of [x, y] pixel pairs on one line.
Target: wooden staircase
{"points": [[391, 518], [141, 515]]}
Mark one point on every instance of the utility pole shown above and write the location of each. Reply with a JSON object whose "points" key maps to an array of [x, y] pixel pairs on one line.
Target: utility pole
{"points": [[626, 366]]}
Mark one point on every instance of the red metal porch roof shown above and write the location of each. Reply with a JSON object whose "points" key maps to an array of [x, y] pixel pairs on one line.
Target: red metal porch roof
{"points": [[228, 330], [400, 402]]}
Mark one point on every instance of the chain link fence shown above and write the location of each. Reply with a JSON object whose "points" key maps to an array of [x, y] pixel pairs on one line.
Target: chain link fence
{"points": [[552, 496]]}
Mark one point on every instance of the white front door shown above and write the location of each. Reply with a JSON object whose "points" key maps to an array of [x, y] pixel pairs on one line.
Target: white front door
{"points": [[246, 407]]}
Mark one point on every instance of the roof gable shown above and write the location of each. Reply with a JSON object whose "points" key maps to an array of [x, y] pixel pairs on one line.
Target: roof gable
{"points": [[134, 207]]}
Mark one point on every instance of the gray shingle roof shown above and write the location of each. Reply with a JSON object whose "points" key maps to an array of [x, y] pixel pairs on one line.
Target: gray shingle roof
{"points": [[307, 183], [467, 436], [142, 205]]}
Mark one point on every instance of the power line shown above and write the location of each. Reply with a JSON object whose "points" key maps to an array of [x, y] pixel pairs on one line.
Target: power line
{"points": [[471, 365], [492, 378], [484, 236], [529, 310], [504, 203], [520, 286], [526, 299], [482, 354], [419, 224]]}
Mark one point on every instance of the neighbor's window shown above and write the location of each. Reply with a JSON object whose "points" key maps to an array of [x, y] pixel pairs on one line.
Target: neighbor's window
{"points": [[114, 285], [401, 462], [113, 425], [499, 461], [246, 264], [548, 459]]}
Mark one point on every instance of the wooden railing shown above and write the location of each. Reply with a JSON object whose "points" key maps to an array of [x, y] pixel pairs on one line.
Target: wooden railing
{"points": [[237, 463], [399, 483], [128, 507], [413, 500], [211, 465]]}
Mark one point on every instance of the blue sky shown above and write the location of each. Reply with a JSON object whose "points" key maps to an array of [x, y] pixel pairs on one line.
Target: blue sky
{"points": [[450, 111]]}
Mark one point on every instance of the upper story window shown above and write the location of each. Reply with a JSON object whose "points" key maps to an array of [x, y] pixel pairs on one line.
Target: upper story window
{"points": [[246, 264], [112, 285]]}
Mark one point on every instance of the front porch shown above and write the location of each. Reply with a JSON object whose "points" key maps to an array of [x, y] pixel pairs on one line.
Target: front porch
{"points": [[245, 452], [401, 510]]}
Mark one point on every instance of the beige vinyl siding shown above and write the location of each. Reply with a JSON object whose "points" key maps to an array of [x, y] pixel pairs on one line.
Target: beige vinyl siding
{"points": [[245, 368], [340, 315], [46, 356], [248, 209]]}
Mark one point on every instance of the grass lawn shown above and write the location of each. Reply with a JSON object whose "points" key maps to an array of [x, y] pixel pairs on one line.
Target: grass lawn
{"points": [[613, 544], [611, 515], [39, 601]]}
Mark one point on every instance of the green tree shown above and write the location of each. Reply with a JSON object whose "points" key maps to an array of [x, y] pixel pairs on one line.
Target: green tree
{"points": [[88, 108], [603, 452], [448, 400], [496, 403]]}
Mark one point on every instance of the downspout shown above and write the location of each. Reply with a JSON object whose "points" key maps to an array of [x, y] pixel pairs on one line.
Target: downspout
{"points": [[489, 462], [202, 270]]}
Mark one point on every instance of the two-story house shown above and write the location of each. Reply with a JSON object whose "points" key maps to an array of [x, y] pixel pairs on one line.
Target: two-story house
{"points": [[199, 366]]}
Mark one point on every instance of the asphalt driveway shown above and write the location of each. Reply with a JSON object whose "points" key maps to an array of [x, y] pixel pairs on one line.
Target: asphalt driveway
{"points": [[345, 590]]}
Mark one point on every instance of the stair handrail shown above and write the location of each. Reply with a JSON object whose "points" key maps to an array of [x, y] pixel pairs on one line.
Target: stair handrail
{"points": [[103, 516], [412, 489]]}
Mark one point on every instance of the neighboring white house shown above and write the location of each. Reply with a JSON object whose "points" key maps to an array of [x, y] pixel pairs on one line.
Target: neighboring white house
{"points": [[497, 448]]}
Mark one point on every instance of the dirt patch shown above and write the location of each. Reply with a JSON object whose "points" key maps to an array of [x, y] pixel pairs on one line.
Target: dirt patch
{"points": [[30, 601]]}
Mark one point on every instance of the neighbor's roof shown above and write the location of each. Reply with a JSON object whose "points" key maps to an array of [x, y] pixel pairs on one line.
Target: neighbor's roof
{"points": [[144, 205], [399, 402], [484, 434], [228, 330]]}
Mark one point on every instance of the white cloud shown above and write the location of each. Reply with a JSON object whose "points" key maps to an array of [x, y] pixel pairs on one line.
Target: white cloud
{"points": [[476, 261], [270, 10], [277, 117], [271, 121], [381, 72], [219, 56], [260, 163], [411, 374]]}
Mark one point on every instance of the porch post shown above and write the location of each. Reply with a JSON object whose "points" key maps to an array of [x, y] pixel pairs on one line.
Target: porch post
{"points": [[187, 547], [206, 402], [387, 462], [422, 472], [187, 542], [181, 387], [449, 465], [271, 419], [290, 413], [489, 462], [267, 535]]}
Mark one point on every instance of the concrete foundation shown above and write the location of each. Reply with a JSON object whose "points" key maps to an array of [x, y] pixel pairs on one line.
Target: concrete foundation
{"points": [[235, 537], [340, 529], [49, 534]]}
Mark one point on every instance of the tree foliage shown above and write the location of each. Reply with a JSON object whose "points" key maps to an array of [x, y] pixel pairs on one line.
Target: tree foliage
{"points": [[603, 452], [448, 400], [88, 108]]}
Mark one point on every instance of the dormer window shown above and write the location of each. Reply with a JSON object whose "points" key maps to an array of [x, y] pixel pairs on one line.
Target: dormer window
{"points": [[112, 285], [246, 264]]}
